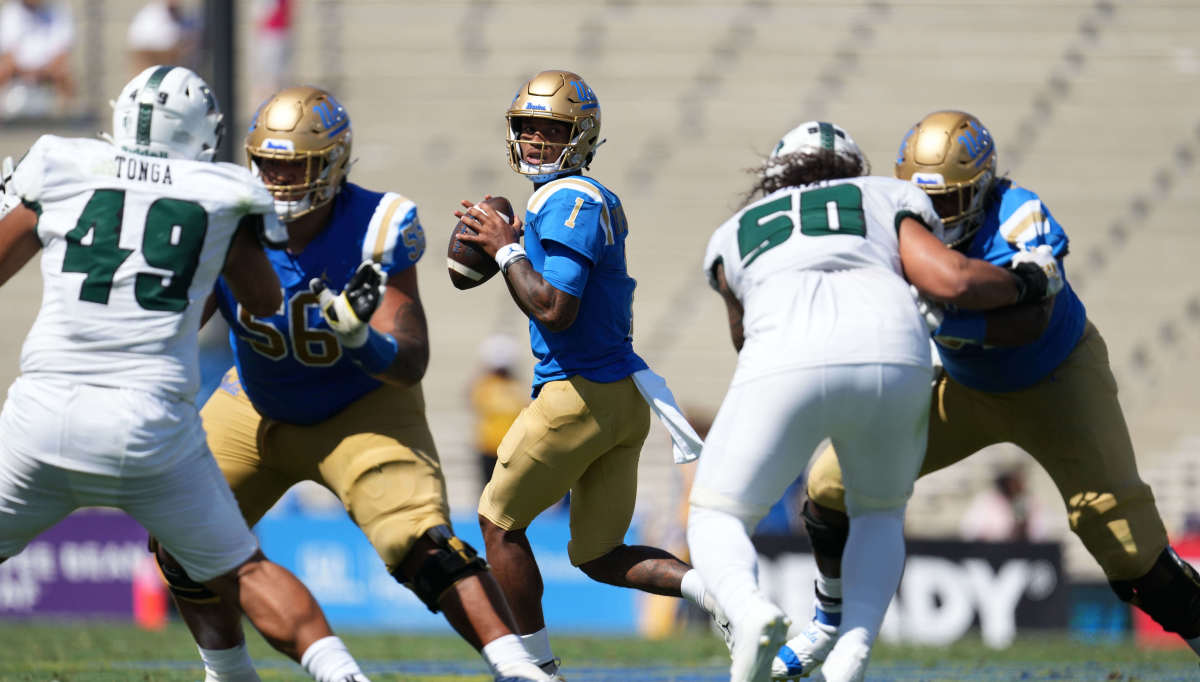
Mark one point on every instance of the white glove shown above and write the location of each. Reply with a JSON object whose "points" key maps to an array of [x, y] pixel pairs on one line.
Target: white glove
{"points": [[7, 201], [1043, 257], [348, 314], [932, 312]]}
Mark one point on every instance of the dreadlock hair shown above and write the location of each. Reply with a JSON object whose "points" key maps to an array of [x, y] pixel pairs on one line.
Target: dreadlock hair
{"points": [[801, 168]]}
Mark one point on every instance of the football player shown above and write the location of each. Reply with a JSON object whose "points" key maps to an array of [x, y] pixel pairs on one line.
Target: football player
{"points": [[132, 231], [327, 387], [830, 345], [1003, 373], [584, 431]]}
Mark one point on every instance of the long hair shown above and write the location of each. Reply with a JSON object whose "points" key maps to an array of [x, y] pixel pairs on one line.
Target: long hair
{"points": [[801, 168]]}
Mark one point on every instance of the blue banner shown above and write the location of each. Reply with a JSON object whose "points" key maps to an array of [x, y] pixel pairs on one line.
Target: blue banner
{"points": [[334, 559]]}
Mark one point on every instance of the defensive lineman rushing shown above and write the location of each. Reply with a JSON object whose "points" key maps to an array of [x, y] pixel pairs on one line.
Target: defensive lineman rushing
{"points": [[585, 428], [1036, 375], [131, 234], [830, 344], [327, 388]]}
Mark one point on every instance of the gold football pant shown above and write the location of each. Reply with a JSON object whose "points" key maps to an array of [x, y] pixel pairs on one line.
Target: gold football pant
{"points": [[377, 455], [1071, 423], [581, 436]]}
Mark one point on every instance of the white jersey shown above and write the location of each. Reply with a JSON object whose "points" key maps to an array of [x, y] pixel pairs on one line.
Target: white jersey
{"points": [[817, 270], [131, 248]]}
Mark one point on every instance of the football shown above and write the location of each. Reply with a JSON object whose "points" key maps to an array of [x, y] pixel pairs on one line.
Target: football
{"points": [[468, 265]]}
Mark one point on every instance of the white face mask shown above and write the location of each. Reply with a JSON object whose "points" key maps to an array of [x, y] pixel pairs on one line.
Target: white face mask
{"points": [[288, 210]]}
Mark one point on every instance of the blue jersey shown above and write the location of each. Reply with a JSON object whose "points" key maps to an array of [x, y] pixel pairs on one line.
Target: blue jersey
{"points": [[584, 216], [1015, 219], [291, 364]]}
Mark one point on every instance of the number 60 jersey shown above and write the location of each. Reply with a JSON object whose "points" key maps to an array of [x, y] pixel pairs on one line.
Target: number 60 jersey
{"points": [[132, 245], [817, 270]]}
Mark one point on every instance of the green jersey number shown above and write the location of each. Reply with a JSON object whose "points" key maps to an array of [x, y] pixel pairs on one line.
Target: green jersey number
{"points": [[172, 239], [823, 212]]}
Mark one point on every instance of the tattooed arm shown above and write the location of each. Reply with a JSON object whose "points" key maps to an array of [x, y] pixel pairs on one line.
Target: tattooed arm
{"points": [[400, 314], [540, 300]]}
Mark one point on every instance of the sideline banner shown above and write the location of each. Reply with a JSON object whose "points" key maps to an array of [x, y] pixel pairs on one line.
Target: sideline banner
{"points": [[947, 587], [334, 559], [83, 566]]}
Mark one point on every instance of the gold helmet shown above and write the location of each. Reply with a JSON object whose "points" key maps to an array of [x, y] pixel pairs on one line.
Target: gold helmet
{"points": [[951, 156], [560, 96], [302, 124]]}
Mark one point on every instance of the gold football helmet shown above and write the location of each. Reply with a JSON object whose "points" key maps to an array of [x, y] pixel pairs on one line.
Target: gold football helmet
{"points": [[560, 96], [308, 125], [951, 156]]}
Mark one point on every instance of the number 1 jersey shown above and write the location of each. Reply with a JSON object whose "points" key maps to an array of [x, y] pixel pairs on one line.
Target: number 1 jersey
{"points": [[817, 270], [131, 248]]}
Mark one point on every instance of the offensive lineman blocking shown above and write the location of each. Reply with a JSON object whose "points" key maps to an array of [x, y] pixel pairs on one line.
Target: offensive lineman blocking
{"points": [[830, 344]]}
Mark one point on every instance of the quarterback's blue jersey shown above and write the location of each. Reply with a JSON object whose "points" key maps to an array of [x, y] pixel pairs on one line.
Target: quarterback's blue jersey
{"points": [[584, 216], [1016, 219], [291, 364]]}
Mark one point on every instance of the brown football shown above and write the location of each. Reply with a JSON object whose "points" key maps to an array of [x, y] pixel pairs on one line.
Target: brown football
{"points": [[468, 265]]}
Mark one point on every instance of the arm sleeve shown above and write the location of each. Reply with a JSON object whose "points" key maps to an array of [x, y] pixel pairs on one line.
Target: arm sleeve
{"points": [[565, 269]]}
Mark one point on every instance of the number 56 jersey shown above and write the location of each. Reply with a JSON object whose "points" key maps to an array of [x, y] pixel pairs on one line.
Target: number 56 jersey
{"points": [[817, 270], [131, 246]]}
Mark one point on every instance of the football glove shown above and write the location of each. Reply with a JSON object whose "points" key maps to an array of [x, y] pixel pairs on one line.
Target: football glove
{"points": [[348, 314], [1037, 274], [932, 313]]}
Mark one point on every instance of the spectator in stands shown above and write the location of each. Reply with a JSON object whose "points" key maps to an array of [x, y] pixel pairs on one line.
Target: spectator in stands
{"points": [[35, 49], [497, 397], [272, 47], [163, 32], [1005, 512]]}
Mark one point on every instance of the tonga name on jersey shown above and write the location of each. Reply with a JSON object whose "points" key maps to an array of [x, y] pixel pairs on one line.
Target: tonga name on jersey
{"points": [[771, 249], [291, 364], [1016, 219], [584, 216], [130, 243]]}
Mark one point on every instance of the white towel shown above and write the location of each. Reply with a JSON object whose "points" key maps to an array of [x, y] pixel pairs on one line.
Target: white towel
{"points": [[686, 443]]}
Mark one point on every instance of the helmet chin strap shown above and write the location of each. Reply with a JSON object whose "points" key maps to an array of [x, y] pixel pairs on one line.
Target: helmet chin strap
{"points": [[289, 210]]}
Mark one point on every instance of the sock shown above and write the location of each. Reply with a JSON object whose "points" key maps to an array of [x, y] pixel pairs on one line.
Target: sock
{"points": [[228, 665], [871, 568], [538, 646], [327, 660], [827, 609], [692, 587], [726, 559], [503, 651]]}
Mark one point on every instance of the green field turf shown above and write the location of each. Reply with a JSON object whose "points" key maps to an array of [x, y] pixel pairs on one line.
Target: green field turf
{"points": [[118, 652]]}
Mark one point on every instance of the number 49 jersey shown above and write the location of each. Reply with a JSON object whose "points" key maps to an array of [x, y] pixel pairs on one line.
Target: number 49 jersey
{"points": [[817, 270], [130, 244]]}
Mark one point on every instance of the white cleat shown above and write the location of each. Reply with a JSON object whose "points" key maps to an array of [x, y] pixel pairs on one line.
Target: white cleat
{"points": [[804, 652], [847, 663], [757, 637], [550, 668], [721, 622], [522, 671]]}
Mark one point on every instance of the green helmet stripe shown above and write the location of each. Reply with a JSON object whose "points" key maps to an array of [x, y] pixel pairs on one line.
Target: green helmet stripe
{"points": [[826, 131], [146, 108]]}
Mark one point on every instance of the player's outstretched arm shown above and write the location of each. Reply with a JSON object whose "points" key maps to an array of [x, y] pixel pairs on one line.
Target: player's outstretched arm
{"points": [[248, 272], [18, 240]]}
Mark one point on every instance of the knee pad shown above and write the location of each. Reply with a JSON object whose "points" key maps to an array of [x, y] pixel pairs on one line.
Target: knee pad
{"points": [[181, 586], [1169, 593], [453, 561], [827, 529]]}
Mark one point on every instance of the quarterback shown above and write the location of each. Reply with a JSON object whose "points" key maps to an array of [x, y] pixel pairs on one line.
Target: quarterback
{"points": [[133, 231], [327, 387], [1036, 375], [830, 344], [585, 428]]}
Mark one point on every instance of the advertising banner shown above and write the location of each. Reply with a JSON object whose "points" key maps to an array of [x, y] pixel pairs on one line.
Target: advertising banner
{"points": [[331, 555], [83, 566], [947, 588]]}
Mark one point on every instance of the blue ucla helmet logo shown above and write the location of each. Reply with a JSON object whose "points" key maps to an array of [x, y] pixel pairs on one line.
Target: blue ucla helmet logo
{"points": [[333, 116], [585, 94], [977, 141]]}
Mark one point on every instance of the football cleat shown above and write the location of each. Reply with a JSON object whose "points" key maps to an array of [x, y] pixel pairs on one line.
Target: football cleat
{"points": [[721, 621], [804, 652], [757, 636], [524, 671]]}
